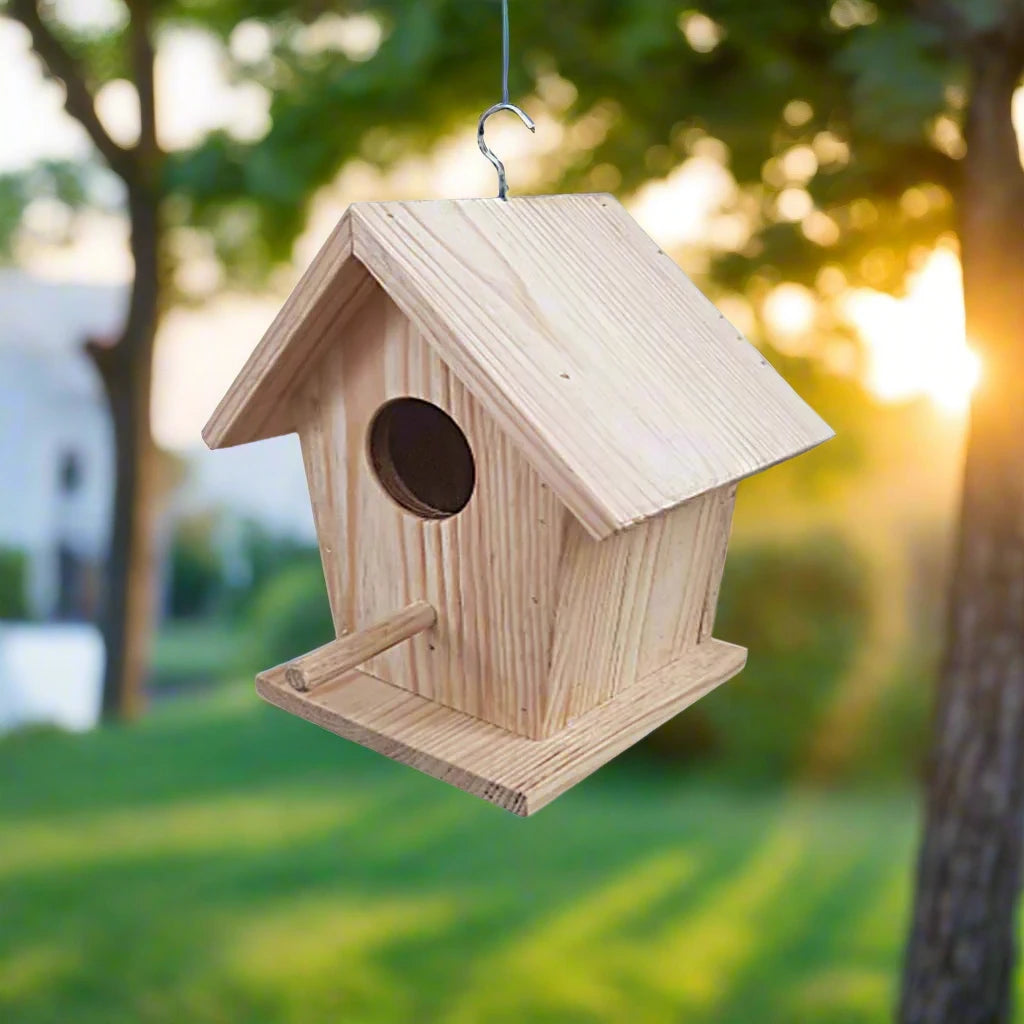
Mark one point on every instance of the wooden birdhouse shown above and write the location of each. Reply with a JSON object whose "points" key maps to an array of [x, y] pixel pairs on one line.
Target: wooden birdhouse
{"points": [[522, 428]]}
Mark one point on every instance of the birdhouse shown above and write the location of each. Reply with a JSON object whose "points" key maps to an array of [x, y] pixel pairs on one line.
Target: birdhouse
{"points": [[522, 428]]}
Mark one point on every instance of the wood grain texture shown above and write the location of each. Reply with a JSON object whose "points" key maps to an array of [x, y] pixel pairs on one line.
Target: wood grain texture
{"points": [[339, 657], [726, 506], [631, 604], [619, 381], [516, 773], [491, 572], [257, 405]]}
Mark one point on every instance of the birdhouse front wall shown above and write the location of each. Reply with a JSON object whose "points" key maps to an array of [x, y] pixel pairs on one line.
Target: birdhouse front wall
{"points": [[491, 571]]}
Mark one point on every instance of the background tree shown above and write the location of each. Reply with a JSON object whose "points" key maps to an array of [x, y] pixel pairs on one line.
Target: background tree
{"points": [[859, 134], [252, 200]]}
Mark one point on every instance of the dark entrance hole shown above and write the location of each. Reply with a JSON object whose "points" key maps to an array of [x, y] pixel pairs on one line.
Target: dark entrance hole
{"points": [[422, 458]]}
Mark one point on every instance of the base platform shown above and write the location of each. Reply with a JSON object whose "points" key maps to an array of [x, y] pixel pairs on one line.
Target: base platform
{"points": [[519, 774]]}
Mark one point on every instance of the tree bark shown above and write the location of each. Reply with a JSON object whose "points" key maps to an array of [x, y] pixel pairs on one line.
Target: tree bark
{"points": [[126, 370], [125, 367], [962, 950]]}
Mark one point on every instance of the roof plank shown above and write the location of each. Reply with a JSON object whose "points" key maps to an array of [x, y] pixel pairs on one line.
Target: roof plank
{"points": [[332, 288], [625, 387]]}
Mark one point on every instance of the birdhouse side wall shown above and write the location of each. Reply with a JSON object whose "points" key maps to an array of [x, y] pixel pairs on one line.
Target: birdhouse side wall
{"points": [[635, 603], [491, 571], [718, 551]]}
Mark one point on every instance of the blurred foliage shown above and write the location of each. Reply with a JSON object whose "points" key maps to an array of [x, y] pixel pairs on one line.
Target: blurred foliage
{"points": [[241, 598], [801, 608], [263, 556], [839, 99], [289, 616], [61, 183], [13, 200], [894, 741], [13, 584], [195, 569], [854, 103], [218, 564]]}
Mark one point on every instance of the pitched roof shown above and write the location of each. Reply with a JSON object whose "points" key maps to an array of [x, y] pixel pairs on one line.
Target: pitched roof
{"points": [[623, 385]]}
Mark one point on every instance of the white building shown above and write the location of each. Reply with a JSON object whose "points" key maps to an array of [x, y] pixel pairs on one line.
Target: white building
{"points": [[56, 492], [56, 449], [56, 460], [56, 481]]}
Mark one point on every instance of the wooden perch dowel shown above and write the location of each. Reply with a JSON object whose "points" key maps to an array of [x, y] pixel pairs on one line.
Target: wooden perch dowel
{"points": [[350, 651]]}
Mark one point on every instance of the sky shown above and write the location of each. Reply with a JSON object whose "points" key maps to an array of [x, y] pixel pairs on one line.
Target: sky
{"points": [[915, 346]]}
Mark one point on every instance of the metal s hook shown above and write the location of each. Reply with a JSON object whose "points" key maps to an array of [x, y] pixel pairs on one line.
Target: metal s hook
{"points": [[505, 104], [488, 152]]}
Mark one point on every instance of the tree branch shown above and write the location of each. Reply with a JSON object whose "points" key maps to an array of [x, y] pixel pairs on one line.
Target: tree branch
{"points": [[143, 59], [78, 100]]}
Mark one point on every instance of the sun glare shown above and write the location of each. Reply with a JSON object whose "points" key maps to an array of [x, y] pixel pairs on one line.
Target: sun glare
{"points": [[917, 346]]}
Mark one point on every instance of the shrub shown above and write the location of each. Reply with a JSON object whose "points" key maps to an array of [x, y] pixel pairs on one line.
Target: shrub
{"points": [[265, 555], [13, 584], [218, 565], [196, 576], [894, 741], [289, 616], [801, 608]]}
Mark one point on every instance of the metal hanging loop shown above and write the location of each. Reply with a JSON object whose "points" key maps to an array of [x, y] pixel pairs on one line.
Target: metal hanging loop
{"points": [[488, 152]]}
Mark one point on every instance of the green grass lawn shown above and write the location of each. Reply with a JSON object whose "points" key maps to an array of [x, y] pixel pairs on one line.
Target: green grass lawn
{"points": [[221, 862]]}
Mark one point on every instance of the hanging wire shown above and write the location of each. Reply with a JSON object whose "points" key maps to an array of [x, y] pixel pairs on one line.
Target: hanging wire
{"points": [[506, 46], [505, 104]]}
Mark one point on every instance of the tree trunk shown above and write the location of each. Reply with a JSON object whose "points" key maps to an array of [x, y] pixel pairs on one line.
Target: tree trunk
{"points": [[126, 370], [960, 960]]}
